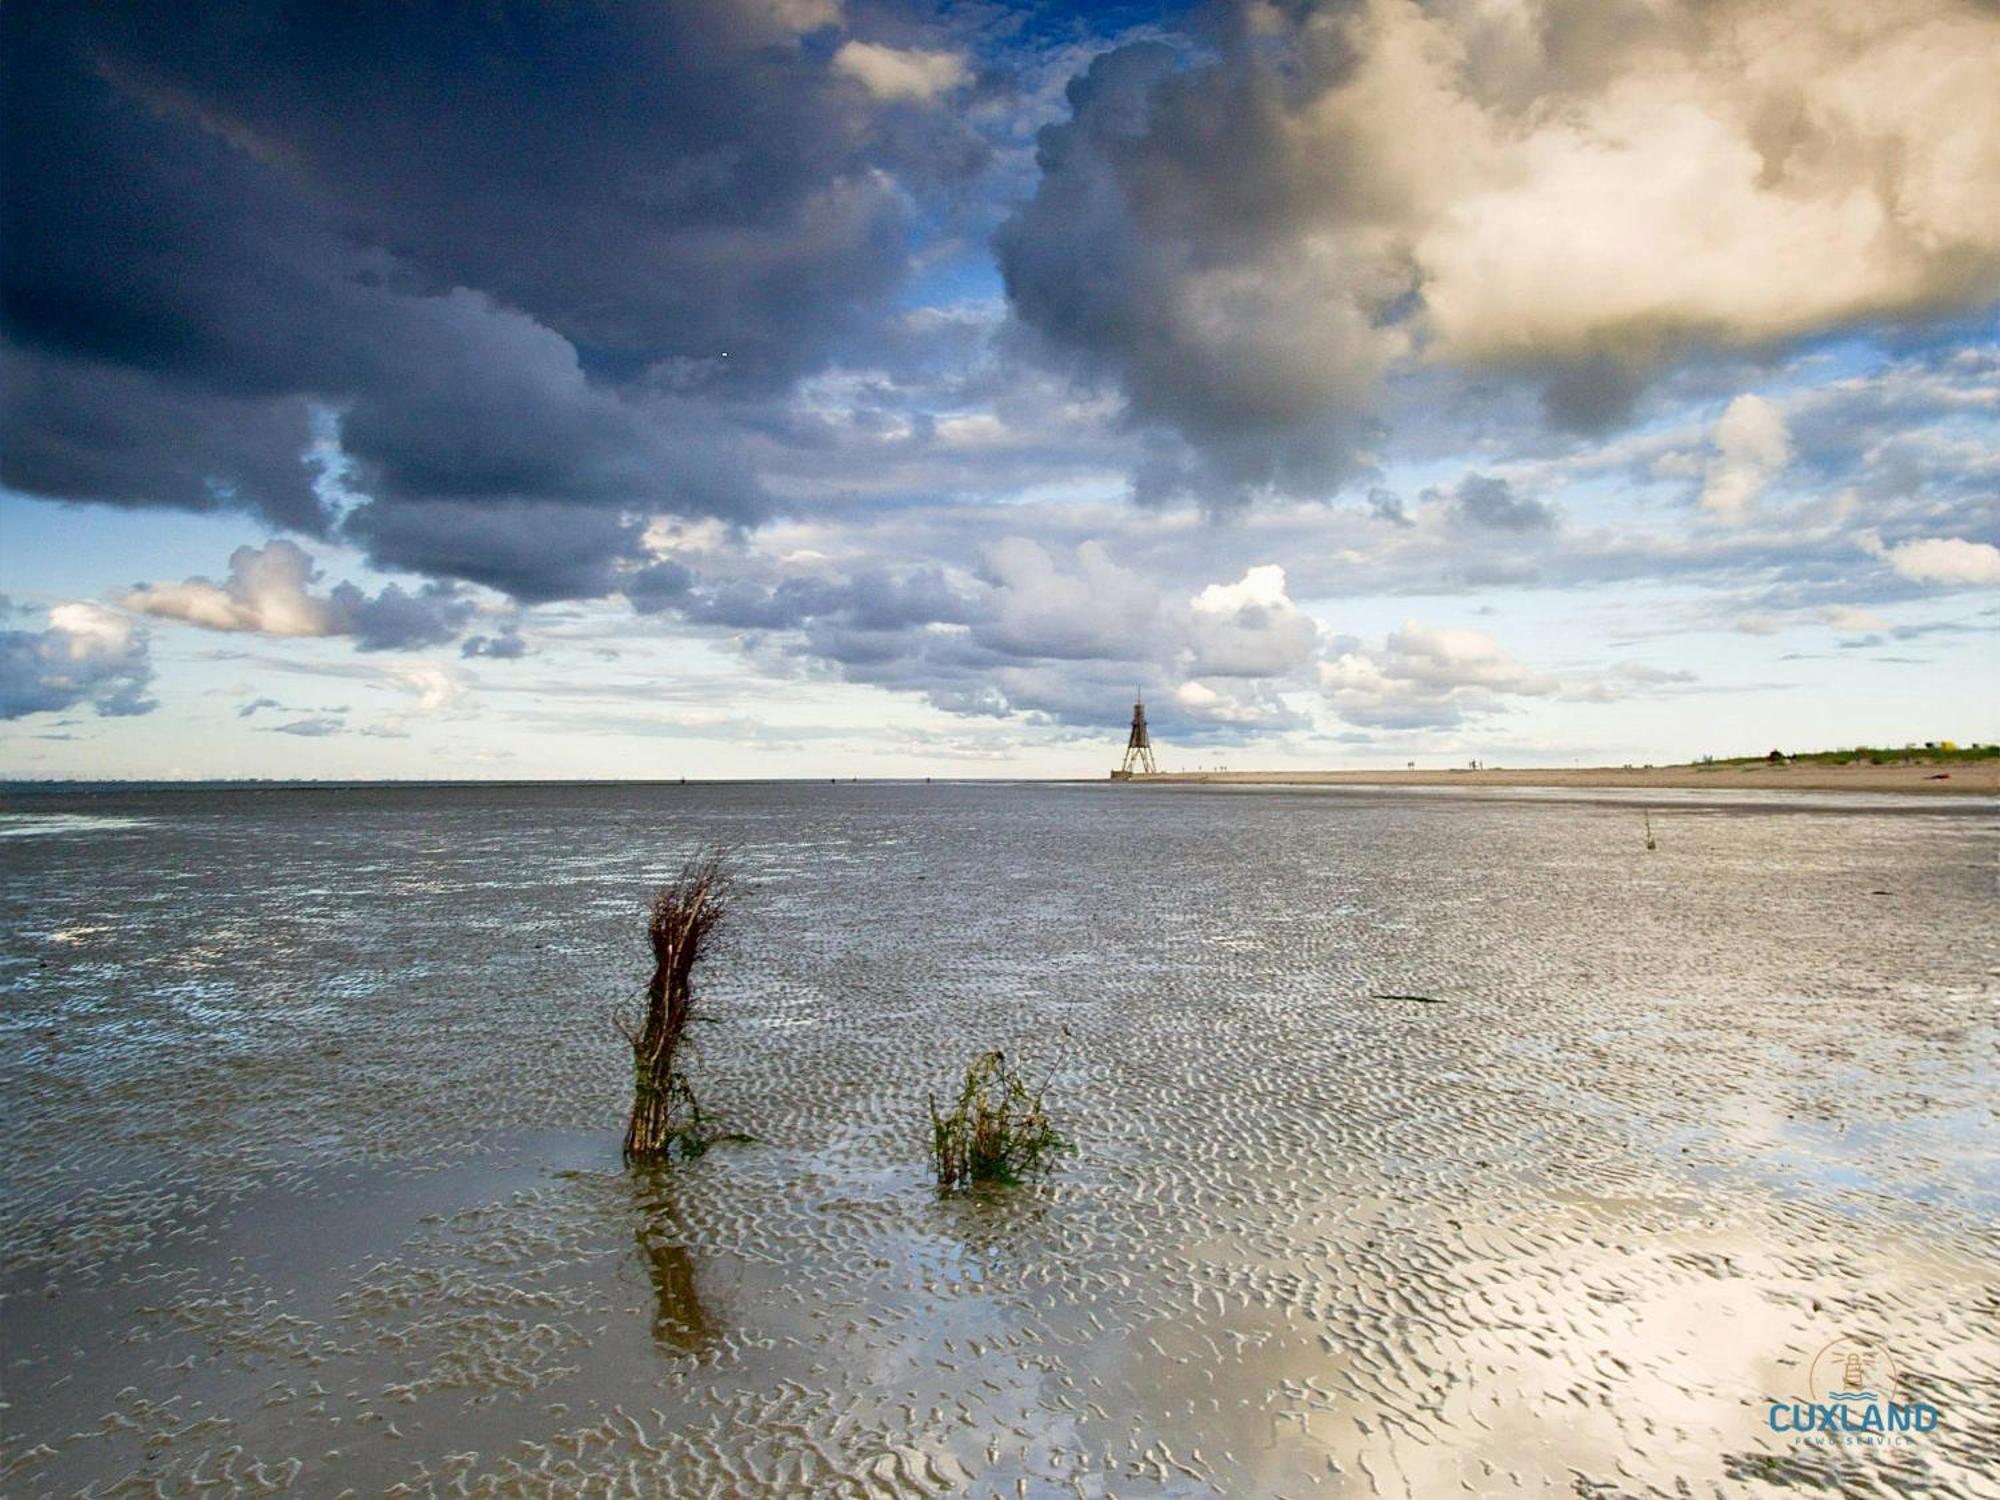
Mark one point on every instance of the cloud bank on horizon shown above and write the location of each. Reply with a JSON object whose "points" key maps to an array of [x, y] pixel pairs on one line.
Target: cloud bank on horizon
{"points": [[1334, 373]]}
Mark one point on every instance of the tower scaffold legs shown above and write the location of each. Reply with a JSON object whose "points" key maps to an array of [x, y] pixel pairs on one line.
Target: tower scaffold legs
{"points": [[1138, 747]]}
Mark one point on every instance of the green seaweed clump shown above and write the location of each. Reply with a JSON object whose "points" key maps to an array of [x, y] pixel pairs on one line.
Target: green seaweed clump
{"points": [[996, 1132]]}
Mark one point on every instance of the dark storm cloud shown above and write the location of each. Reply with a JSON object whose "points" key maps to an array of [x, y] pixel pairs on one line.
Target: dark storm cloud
{"points": [[504, 645], [651, 182], [657, 586], [872, 601], [1387, 505], [1479, 500], [1593, 395], [78, 428], [533, 257], [399, 620], [534, 550], [1159, 179]]}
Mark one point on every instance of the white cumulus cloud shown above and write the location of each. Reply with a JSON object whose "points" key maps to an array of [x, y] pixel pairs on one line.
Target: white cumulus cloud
{"points": [[1250, 628], [900, 72], [87, 655], [437, 687], [269, 592], [1421, 677], [1946, 560], [1041, 608], [1582, 191], [1751, 447]]}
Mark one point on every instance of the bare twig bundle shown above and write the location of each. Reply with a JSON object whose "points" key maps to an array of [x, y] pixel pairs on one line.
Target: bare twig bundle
{"points": [[997, 1131], [683, 915]]}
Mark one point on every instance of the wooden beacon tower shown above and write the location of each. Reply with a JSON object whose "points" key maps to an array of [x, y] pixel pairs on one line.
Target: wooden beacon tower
{"points": [[1138, 747]]}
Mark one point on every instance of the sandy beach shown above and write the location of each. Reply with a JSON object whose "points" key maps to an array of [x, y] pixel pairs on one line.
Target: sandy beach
{"points": [[1974, 778]]}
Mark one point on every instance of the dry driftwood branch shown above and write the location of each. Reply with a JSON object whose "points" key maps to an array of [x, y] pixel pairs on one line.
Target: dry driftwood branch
{"points": [[683, 916]]}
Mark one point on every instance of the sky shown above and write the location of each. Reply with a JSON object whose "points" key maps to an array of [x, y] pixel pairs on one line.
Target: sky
{"points": [[748, 388]]}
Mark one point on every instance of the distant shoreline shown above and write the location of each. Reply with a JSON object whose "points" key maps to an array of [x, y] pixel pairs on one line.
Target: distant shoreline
{"points": [[1967, 777], [1976, 778]]}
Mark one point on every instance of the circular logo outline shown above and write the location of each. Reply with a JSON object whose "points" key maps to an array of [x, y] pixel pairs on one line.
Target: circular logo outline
{"points": [[1882, 1378]]}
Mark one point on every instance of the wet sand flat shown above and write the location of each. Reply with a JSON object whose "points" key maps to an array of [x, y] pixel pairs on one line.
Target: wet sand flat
{"points": [[312, 1112]]}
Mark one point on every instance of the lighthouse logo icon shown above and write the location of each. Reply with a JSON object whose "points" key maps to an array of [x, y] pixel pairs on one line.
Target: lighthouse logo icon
{"points": [[1852, 1370], [1851, 1376]]}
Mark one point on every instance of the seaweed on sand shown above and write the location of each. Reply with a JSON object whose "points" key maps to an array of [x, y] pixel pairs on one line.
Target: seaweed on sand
{"points": [[997, 1131]]}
